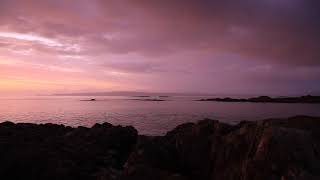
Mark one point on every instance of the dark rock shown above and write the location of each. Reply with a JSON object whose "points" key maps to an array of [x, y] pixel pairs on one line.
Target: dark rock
{"points": [[89, 100], [261, 99], [148, 99], [267, 99], [265, 152], [29, 151], [271, 149], [185, 150]]}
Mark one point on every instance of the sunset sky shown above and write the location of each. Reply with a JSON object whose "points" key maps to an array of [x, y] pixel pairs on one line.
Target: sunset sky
{"points": [[207, 46]]}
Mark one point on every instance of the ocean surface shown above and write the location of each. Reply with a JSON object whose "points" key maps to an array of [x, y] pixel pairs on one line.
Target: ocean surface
{"points": [[149, 117]]}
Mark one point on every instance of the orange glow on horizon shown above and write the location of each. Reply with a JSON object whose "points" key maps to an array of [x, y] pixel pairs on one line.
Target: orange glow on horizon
{"points": [[39, 86]]}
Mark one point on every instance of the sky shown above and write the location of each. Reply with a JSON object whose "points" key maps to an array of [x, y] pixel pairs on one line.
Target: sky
{"points": [[205, 46]]}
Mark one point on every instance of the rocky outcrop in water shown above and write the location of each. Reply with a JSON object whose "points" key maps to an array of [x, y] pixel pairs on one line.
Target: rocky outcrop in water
{"points": [[267, 99], [274, 149]]}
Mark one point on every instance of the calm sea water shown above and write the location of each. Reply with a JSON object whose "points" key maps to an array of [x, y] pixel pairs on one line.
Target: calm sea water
{"points": [[149, 117]]}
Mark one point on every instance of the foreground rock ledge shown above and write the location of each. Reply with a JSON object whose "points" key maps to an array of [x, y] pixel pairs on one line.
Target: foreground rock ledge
{"points": [[274, 149]]}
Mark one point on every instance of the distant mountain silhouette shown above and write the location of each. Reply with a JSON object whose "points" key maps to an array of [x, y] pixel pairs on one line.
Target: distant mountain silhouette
{"points": [[131, 93]]}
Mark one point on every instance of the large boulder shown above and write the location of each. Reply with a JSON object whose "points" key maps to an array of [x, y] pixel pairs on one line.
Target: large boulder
{"points": [[182, 152], [48, 151], [264, 152], [277, 149]]}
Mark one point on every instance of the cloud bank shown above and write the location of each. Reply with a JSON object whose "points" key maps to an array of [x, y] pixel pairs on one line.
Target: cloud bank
{"points": [[247, 46]]}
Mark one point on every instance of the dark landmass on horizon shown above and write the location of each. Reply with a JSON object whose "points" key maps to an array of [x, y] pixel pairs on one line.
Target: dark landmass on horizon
{"points": [[148, 99], [267, 99], [143, 99], [141, 96], [169, 94], [132, 93], [278, 149]]}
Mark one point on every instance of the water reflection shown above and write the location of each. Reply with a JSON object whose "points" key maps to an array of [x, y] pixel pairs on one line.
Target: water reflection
{"points": [[149, 117]]}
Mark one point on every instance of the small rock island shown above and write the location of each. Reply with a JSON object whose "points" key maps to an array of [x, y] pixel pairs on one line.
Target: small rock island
{"points": [[273, 149], [89, 100]]}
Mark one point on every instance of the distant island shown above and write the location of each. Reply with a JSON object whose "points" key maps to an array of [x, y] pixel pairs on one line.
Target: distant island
{"points": [[267, 99], [89, 100], [141, 96], [150, 96], [133, 94], [148, 99]]}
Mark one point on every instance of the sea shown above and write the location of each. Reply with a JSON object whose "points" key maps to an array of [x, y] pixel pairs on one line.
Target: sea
{"points": [[148, 117]]}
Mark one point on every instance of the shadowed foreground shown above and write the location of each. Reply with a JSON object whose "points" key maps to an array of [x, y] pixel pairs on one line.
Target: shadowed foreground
{"points": [[275, 149]]}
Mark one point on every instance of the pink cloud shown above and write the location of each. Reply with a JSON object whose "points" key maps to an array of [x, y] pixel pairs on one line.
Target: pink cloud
{"points": [[163, 45]]}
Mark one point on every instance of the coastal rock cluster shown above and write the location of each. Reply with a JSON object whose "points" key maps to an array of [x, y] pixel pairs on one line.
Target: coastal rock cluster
{"points": [[49, 151], [266, 99], [274, 149], [267, 150]]}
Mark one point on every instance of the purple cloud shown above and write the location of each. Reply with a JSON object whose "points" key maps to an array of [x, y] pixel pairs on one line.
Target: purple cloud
{"points": [[219, 46]]}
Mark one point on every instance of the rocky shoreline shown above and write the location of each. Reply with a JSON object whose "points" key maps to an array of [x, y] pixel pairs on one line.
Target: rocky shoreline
{"points": [[273, 149], [266, 99]]}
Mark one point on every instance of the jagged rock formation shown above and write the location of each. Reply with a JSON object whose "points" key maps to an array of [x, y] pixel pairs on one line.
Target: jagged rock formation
{"points": [[266, 150], [274, 149], [45, 152]]}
